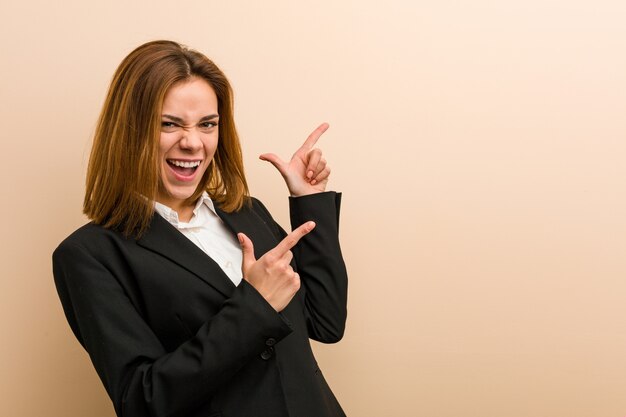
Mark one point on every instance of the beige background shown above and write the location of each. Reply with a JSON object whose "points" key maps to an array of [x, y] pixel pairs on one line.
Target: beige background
{"points": [[480, 147]]}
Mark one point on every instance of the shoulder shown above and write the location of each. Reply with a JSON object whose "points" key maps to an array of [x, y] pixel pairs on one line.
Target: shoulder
{"points": [[91, 238], [258, 206], [91, 233]]}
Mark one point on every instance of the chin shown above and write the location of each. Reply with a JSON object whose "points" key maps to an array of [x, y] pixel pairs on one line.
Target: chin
{"points": [[175, 196]]}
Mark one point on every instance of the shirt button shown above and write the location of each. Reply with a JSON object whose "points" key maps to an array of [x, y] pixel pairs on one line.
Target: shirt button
{"points": [[270, 342]]}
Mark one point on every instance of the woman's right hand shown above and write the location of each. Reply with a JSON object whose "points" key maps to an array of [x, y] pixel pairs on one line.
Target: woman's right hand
{"points": [[272, 275]]}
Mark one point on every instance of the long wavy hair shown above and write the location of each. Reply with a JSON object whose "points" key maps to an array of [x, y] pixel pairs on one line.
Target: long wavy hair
{"points": [[123, 174]]}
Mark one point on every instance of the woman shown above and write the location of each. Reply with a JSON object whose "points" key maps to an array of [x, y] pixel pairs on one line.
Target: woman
{"points": [[187, 295]]}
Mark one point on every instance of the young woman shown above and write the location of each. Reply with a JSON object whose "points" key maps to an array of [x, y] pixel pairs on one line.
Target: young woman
{"points": [[189, 298]]}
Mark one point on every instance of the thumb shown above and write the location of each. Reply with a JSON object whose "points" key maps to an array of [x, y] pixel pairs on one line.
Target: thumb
{"points": [[248, 252], [274, 160]]}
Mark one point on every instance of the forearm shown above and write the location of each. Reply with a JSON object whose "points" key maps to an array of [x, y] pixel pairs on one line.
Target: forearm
{"points": [[321, 266]]}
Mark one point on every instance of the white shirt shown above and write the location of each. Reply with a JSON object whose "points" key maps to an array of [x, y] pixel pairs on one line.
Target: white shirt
{"points": [[209, 233]]}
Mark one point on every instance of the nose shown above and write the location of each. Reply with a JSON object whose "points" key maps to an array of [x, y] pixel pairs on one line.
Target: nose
{"points": [[190, 140]]}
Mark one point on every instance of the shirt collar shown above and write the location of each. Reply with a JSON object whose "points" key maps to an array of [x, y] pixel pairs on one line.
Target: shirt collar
{"points": [[172, 216]]}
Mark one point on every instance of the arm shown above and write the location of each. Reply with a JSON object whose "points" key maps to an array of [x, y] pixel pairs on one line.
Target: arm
{"points": [[321, 266], [318, 255], [324, 281], [141, 377]]}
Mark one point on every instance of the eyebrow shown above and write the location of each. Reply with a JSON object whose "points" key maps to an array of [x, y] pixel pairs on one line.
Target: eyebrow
{"points": [[181, 121]]}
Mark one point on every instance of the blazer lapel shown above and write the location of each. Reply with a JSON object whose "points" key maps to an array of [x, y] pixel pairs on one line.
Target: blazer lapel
{"points": [[164, 239], [247, 221]]}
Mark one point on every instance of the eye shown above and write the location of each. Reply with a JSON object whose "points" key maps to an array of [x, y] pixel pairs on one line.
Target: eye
{"points": [[207, 126], [169, 126]]}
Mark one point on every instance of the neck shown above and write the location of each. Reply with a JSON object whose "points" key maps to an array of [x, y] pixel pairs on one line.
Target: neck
{"points": [[184, 211]]}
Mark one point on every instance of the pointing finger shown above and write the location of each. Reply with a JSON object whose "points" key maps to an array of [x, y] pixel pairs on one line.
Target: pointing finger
{"points": [[293, 238], [314, 136]]}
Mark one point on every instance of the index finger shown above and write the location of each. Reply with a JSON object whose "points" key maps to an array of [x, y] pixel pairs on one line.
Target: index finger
{"points": [[314, 136], [293, 238]]}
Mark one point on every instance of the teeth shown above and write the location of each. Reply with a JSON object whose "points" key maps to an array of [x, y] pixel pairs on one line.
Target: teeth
{"points": [[184, 164]]}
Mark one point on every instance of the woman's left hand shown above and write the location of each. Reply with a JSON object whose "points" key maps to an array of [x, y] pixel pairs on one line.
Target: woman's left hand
{"points": [[306, 172]]}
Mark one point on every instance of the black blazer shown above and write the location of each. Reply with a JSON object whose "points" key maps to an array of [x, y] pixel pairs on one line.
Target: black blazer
{"points": [[170, 334]]}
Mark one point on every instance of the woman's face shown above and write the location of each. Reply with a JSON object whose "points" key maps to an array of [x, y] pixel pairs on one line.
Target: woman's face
{"points": [[189, 135]]}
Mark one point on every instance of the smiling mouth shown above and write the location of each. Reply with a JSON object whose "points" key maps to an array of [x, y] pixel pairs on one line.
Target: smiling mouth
{"points": [[183, 168]]}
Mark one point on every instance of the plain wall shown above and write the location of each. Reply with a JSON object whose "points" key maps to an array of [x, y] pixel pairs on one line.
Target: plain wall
{"points": [[480, 146]]}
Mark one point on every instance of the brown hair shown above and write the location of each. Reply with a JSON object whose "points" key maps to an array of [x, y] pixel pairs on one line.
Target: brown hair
{"points": [[123, 174]]}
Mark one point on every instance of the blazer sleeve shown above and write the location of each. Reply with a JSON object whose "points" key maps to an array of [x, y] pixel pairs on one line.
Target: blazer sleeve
{"points": [[141, 377], [320, 264]]}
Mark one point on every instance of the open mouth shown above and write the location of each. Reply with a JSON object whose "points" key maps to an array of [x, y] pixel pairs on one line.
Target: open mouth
{"points": [[183, 168]]}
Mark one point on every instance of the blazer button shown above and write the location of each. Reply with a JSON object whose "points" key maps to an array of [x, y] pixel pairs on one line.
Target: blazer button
{"points": [[270, 342], [267, 353]]}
